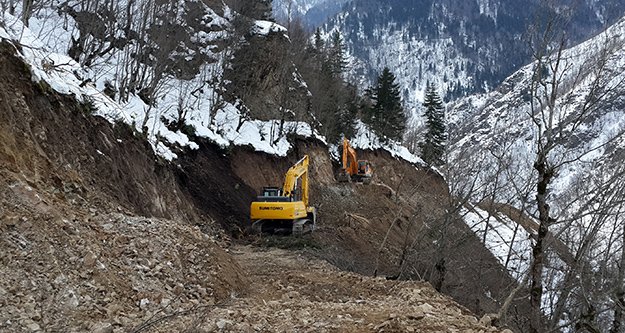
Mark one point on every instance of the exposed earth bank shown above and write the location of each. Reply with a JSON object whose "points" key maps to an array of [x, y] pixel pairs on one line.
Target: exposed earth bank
{"points": [[98, 234]]}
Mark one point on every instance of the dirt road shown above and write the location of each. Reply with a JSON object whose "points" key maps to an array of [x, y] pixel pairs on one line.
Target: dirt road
{"points": [[291, 292]]}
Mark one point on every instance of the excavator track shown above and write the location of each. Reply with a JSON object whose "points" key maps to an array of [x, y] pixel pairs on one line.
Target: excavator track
{"points": [[283, 227], [343, 177], [302, 227]]}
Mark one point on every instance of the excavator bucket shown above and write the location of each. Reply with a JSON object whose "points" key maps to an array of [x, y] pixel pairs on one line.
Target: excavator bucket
{"points": [[343, 176]]}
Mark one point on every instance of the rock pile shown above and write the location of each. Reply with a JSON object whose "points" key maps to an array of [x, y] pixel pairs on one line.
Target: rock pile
{"points": [[70, 269]]}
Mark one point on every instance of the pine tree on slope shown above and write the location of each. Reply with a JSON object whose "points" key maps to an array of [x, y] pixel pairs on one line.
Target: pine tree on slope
{"points": [[434, 145], [333, 101], [386, 116], [336, 56]]}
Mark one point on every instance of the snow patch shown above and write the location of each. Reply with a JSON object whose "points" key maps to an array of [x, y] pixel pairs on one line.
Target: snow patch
{"points": [[264, 28], [365, 138]]}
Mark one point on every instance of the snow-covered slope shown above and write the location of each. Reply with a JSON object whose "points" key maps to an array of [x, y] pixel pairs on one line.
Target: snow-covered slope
{"points": [[499, 135], [312, 12], [183, 104], [226, 126], [500, 121]]}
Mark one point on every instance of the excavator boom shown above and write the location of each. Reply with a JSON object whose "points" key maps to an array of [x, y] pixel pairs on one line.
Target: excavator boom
{"points": [[298, 171]]}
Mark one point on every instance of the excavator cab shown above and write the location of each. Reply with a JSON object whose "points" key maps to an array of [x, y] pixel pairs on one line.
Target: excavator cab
{"points": [[363, 167], [272, 194]]}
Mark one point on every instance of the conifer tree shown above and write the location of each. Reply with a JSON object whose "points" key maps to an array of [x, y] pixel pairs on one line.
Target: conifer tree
{"points": [[434, 144], [318, 40], [336, 55], [333, 101], [386, 116], [259, 9], [266, 9]]}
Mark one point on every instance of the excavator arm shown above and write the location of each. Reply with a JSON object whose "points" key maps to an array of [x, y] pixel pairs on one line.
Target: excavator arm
{"points": [[297, 171], [349, 158]]}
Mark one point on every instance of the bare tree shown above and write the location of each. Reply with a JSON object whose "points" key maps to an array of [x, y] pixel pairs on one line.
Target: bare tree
{"points": [[618, 294], [8, 6], [557, 119]]}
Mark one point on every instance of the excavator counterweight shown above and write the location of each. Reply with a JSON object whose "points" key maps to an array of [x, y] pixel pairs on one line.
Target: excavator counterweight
{"points": [[354, 169], [285, 210]]}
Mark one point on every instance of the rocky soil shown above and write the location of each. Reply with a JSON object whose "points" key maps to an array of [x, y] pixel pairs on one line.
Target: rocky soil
{"points": [[396, 227], [288, 291], [75, 271], [106, 273]]}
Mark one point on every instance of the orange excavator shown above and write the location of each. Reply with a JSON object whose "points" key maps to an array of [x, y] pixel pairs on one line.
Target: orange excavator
{"points": [[354, 169]]}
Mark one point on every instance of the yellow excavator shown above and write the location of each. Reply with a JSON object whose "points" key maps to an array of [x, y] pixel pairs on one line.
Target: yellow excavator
{"points": [[354, 169], [286, 210]]}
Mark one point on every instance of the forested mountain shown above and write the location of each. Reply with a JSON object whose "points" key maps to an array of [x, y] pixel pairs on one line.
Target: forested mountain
{"points": [[311, 12], [135, 134], [227, 100], [462, 46]]}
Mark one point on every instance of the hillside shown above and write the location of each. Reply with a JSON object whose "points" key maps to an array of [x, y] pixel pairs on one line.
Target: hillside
{"points": [[573, 129], [100, 234], [141, 156], [311, 12]]}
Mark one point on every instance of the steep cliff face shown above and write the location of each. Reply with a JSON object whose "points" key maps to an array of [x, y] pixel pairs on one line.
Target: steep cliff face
{"points": [[49, 138], [95, 230]]}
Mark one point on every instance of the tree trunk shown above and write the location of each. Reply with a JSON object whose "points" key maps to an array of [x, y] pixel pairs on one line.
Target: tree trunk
{"points": [[27, 7], [545, 174], [619, 294]]}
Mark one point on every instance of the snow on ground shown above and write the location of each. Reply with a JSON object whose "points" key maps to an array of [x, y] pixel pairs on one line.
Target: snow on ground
{"points": [[498, 121], [62, 74], [58, 70], [365, 138], [224, 126], [507, 240], [264, 28]]}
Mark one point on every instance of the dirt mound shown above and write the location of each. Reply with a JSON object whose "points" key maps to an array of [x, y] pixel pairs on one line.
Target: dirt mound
{"points": [[76, 272], [76, 255]]}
